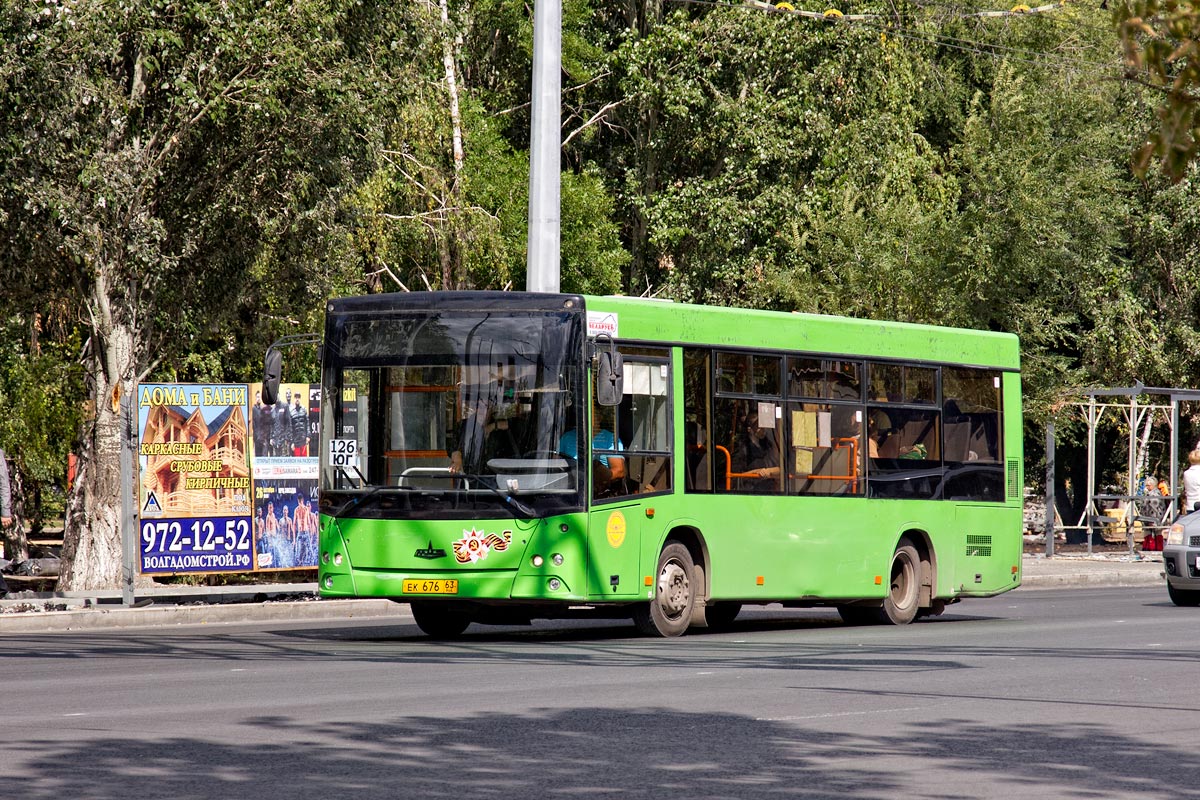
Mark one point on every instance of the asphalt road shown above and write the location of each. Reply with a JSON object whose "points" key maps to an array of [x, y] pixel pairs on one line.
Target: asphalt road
{"points": [[1035, 694]]}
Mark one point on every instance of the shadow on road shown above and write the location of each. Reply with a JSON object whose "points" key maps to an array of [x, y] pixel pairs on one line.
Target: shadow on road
{"points": [[603, 753]]}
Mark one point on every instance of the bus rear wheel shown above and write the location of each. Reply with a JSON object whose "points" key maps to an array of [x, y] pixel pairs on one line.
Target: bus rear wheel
{"points": [[902, 602], [670, 611], [439, 621]]}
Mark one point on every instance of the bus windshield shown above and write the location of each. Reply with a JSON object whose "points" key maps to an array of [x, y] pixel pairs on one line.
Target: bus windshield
{"points": [[450, 413]]}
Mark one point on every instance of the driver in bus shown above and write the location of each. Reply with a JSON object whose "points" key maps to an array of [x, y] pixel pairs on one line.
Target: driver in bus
{"points": [[489, 430]]}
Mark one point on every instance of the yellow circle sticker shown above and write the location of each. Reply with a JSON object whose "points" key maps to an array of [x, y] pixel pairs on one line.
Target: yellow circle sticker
{"points": [[616, 529]]}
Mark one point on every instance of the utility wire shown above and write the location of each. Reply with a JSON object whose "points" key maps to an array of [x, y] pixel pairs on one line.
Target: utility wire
{"points": [[1074, 21], [887, 24]]}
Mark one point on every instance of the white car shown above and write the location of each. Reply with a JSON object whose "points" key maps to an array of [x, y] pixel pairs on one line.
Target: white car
{"points": [[1181, 560]]}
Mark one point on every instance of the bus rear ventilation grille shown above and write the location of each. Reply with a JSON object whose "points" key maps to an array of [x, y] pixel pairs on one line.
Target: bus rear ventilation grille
{"points": [[1014, 479], [979, 546]]}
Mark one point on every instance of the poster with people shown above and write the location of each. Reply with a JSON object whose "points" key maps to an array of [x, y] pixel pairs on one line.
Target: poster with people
{"points": [[195, 496], [285, 523], [285, 476]]}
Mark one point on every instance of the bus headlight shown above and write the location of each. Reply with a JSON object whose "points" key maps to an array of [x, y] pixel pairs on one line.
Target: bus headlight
{"points": [[555, 584], [1175, 535], [557, 559], [537, 561], [337, 559], [328, 581]]}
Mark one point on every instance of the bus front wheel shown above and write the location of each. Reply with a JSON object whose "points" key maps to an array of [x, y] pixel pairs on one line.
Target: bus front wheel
{"points": [[439, 621], [670, 610]]}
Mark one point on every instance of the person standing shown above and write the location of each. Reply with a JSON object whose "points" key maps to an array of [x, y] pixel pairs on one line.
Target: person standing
{"points": [[6, 514], [299, 424], [1191, 483], [281, 427], [5, 492], [261, 422]]}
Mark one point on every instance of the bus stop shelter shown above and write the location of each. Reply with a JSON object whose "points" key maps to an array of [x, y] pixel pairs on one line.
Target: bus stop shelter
{"points": [[1139, 408]]}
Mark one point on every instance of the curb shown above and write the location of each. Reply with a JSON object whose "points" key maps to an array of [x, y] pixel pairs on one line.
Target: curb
{"points": [[1094, 579], [223, 614]]}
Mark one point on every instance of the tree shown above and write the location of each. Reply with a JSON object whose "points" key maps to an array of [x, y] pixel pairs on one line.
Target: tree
{"points": [[41, 388], [1161, 42], [448, 209], [155, 156]]}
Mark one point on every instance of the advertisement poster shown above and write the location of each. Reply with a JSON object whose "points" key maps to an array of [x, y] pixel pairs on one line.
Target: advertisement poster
{"points": [[284, 446], [195, 492]]}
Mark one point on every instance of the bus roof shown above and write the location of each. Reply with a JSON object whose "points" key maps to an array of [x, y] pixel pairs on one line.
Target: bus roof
{"points": [[643, 319], [681, 323]]}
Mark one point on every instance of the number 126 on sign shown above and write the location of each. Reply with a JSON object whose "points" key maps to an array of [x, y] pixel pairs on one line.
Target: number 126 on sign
{"points": [[343, 452]]}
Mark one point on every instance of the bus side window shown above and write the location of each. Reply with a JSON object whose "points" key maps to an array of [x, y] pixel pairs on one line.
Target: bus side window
{"points": [[642, 427]]}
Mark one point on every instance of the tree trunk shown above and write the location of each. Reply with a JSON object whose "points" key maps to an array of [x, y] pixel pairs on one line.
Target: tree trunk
{"points": [[91, 556], [449, 253]]}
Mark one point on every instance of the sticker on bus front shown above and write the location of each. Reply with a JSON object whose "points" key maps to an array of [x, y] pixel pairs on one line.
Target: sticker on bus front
{"points": [[476, 545]]}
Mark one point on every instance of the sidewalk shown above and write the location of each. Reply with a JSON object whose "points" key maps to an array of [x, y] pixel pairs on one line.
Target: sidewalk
{"points": [[36, 612], [1099, 569], [30, 612]]}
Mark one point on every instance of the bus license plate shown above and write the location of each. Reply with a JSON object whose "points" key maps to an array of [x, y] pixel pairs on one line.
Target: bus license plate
{"points": [[442, 586]]}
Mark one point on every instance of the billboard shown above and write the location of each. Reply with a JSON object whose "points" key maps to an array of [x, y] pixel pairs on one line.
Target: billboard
{"points": [[194, 488], [285, 438], [227, 483]]}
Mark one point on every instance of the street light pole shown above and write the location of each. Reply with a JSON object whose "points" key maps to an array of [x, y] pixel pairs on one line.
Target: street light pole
{"points": [[545, 149]]}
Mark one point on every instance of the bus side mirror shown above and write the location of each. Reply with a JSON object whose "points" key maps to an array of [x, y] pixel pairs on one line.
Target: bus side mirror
{"points": [[610, 378], [272, 372]]}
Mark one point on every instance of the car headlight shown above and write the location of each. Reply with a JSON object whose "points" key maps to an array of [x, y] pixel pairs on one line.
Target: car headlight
{"points": [[1175, 535]]}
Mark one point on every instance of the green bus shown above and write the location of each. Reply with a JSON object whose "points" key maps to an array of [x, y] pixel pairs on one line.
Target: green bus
{"points": [[498, 457]]}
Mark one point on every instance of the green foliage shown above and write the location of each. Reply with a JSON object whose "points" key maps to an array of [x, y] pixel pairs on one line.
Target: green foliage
{"points": [[1161, 41], [41, 392], [425, 220], [185, 153]]}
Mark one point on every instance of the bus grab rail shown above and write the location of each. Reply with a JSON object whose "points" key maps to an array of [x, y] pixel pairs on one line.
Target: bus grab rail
{"points": [[852, 478]]}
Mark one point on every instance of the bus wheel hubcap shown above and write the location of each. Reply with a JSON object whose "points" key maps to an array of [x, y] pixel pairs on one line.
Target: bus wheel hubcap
{"points": [[674, 589], [904, 583]]}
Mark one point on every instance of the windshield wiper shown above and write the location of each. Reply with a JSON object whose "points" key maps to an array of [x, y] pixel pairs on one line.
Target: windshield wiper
{"points": [[486, 481], [354, 502]]}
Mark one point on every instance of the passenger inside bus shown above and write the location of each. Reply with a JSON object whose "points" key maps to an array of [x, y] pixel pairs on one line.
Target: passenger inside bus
{"points": [[697, 458], [757, 451]]}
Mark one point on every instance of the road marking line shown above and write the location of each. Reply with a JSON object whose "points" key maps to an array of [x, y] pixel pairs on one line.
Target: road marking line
{"points": [[841, 714]]}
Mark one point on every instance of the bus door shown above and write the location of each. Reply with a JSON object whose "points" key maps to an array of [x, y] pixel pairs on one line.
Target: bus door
{"points": [[614, 544], [630, 464]]}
